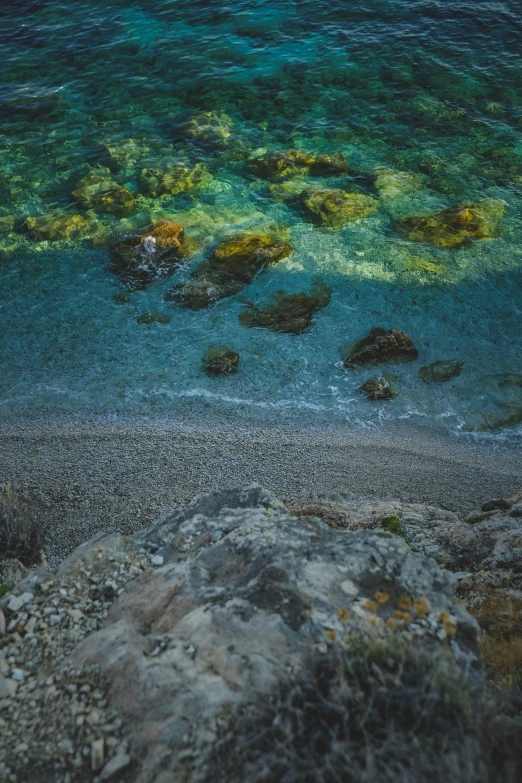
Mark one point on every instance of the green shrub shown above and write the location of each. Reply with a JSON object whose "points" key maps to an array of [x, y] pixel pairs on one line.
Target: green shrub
{"points": [[474, 518], [371, 713], [392, 524], [20, 536], [4, 589]]}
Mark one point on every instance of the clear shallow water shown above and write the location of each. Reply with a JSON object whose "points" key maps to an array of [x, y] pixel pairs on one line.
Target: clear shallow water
{"points": [[431, 89]]}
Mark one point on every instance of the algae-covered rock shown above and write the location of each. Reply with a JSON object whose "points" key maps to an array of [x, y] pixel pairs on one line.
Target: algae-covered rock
{"points": [[378, 389], [292, 163], [455, 226], [499, 403], [290, 313], [420, 264], [150, 253], [98, 192], [391, 184], [118, 154], [333, 207], [210, 127], [381, 345], [232, 265], [442, 370], [220, 360], [200, 292], [55, 226], [165, 176], [288, 190]]}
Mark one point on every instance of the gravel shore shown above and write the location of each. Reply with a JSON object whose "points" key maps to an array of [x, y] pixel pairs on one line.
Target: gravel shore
{"points": [[82, 477]]}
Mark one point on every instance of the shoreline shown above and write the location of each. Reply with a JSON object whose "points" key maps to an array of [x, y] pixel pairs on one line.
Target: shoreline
{"points": [[80, 477]]}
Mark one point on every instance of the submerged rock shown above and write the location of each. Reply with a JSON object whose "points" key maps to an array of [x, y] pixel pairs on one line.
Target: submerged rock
{"points": [[378, 389], [442, 370], [455, 226], [220, 360], [148, 254], [98, 192], [334, 208], [292, 163], [154, 318], [55, 226], [233, 265], [290, 313], [164, 176], [288, 190], [419, 264], [381, 345], [391, 184], [214, 128], [118, 154], [500, 403]]}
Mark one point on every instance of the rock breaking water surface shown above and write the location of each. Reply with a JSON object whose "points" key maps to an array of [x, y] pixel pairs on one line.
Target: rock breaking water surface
{"points": [[164, 106]]}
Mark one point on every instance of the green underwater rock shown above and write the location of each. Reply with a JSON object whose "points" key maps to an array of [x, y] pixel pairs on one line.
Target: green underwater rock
{"points": [[56, 226], [442, 370], [420, 264], [381, 345], [288, 190], [232, 265], [148, 254], [98, 192], [213, 128], [500, 403], [118, 154], [292, 163], [455, 226], [378, 389], [333, 207], [166, 176], [391, 184], [290, 313], [220, 360]]}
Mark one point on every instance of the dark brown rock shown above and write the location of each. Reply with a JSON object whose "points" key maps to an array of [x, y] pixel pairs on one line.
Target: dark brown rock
{"points": [[381, 345]]}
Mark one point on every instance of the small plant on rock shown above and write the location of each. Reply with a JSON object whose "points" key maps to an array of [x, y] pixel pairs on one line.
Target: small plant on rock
{"points": [[392, 524], [20, 536]]}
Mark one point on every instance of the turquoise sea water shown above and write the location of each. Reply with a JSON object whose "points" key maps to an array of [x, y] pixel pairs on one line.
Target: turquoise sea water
{"points": [[430, 92]]}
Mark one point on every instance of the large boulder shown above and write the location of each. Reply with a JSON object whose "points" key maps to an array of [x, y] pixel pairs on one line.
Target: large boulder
{"points": [[381, 345], [98, 192], [290, 313], [170, 177], [497, 402], [232, 265], [151, 651], [335, 208], [149, 253], [291, 163], [55, 226], [455, 226]]}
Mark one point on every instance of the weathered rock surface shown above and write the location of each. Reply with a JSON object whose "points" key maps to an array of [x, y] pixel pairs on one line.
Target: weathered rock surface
{"points": [[381, 345], [149, 254], [290, 313], [391, 184], [335, 208], [233, 265], [147, 647], [212, 128], [443, 370], [455, 226]]}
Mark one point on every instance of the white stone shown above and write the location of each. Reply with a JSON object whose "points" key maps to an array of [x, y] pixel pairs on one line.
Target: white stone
{"points": [[7, 687], [115, 765], [97, 754], [157, 560], [17, 601]]}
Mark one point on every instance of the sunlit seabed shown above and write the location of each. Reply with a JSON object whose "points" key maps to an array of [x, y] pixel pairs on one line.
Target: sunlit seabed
{"points": [[321, 78]]}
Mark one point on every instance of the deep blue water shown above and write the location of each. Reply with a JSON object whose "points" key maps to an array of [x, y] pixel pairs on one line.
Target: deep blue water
{"points": [[429, 92]]}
